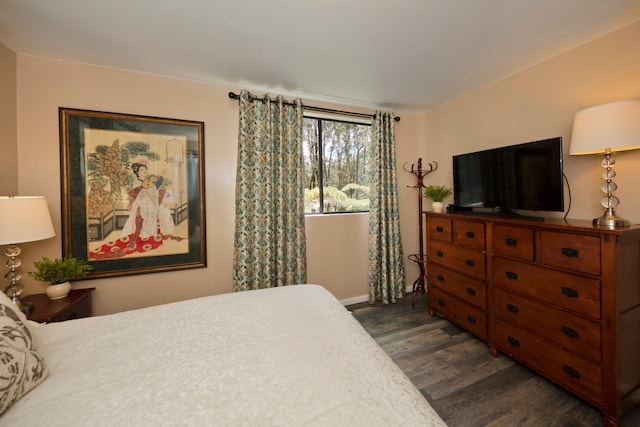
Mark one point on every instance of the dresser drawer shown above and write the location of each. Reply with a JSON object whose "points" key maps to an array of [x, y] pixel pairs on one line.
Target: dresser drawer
{"points": [[571, 251], [576, 293], [515, 242], [469, 290], [567, 369], [462, 314], [573, 332], [440, 229], [467, 261], [469, 234]]}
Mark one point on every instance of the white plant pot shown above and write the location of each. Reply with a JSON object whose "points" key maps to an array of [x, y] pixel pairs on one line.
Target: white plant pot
{"points": [[437, 207], [58, 291]]}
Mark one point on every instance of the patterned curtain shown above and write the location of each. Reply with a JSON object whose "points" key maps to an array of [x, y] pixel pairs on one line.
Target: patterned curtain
{"points": [[269, 245], [386, 267]]}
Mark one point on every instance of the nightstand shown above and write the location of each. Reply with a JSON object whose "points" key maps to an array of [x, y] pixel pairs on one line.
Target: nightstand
{"points": [[75, 305]]}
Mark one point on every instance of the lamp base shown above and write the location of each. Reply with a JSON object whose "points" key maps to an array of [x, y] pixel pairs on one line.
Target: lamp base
{"points": [[24, 306], [610, 220], [14, 292]]}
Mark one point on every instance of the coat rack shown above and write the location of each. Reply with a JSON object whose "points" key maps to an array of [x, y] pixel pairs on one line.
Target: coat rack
{"points": [[419, 258]]}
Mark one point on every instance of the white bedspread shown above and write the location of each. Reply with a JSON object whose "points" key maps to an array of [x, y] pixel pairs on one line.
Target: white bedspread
{"points": [[289, 356]]}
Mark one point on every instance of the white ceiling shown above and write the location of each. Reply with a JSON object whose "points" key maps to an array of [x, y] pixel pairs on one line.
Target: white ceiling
{"points": [[401, 55]]}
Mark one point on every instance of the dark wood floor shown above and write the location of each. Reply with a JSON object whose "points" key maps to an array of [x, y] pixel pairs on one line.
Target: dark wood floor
{"points": [[462, 381]]}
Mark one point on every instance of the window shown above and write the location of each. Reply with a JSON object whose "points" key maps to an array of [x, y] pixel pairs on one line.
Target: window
{"points": [[336, 158]]}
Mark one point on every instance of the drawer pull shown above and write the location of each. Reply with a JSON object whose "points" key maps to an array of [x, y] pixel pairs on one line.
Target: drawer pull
{"points": [[440, 277], [471, 319], [511, 242], [439, 229], [570, 332], [470, 263], [571, 372], [440, 253], [470, 234], [569, 292], [471, 291], [511, 275], [440, 302], [570, 252], [512, 308], [513, 341]]}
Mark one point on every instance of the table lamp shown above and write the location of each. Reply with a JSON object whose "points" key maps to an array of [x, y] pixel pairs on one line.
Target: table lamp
{"points": [[605, 129], [22, 219]]}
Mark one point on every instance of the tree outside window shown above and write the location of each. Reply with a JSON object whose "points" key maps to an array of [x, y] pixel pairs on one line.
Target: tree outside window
{"points": [[336, 165]]}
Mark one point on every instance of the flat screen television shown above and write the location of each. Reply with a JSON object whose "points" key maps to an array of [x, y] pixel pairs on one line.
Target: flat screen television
{"points": [[522, 177]]}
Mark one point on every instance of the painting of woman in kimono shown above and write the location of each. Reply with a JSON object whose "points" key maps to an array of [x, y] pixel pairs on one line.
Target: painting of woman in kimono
{"points": [[149, 215], [149, 222]]}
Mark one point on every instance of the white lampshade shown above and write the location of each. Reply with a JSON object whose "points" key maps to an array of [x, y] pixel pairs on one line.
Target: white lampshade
{"points": [[606, 128], [24, 219]]}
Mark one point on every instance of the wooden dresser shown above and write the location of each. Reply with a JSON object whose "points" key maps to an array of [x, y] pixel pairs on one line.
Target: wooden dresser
{"points": [[456, 272], [562, 297]]}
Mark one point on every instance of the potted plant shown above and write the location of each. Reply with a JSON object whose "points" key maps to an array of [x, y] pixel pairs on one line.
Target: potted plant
{"points": [[437, 193], [57, 273]]}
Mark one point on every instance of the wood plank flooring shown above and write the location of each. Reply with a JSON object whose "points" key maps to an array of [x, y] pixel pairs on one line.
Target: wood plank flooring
{"points": [[463, 382]]}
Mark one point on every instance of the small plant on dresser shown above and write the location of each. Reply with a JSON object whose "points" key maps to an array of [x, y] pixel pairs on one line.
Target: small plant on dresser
{"points": [[437, 194]]}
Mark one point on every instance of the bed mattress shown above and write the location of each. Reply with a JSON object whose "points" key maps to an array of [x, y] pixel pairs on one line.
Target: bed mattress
{"points": [[291, 356]]}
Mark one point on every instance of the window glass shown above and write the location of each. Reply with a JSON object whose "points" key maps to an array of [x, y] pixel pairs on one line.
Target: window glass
{"points": [[336, 165]]}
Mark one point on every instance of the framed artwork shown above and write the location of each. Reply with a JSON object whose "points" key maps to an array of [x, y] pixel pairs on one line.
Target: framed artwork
{"points": [[132, 192]]}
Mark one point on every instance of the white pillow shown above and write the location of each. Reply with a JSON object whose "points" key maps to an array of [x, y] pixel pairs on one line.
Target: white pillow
{"points": [[4, 299], [30, 324], [21, 367]]}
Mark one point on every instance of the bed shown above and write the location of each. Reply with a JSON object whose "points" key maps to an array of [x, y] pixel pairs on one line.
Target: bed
{"points": [[290, 356]]}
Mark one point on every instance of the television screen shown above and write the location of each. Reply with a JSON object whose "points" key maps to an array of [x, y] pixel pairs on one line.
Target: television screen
{"points": [[524, 176]]}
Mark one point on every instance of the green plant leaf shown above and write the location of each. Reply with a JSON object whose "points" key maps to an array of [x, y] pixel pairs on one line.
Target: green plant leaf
{"points": [[59, 270], [437, 193]]}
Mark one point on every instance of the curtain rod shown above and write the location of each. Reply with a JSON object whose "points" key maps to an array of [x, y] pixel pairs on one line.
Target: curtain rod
{"points": [[311, 108]]}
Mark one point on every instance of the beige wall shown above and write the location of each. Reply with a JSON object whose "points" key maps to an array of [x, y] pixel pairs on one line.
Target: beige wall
{"points": [[337, 245], [537, 103], [540, 102], [8, 123]]}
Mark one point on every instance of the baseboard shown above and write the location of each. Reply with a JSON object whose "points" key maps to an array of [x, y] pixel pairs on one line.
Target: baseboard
{"points": [[355, 300], [365, 298]]}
